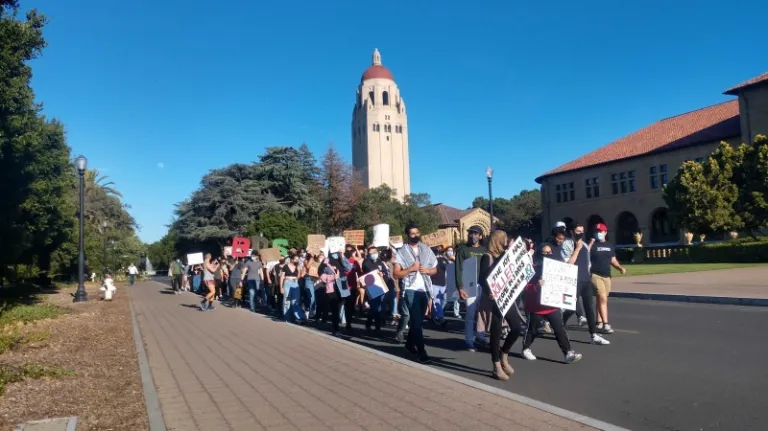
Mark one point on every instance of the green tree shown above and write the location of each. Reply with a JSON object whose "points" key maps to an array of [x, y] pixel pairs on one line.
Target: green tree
{"points": [[281, 225], [515, 213], [702, 196], [750, 176], [341, 192], [289, 175]]}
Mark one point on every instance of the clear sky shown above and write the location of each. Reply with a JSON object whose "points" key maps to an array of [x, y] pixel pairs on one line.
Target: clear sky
{"points": [[156, 93]]}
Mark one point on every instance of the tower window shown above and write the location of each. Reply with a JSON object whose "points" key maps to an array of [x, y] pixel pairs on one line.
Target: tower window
{"points": [[398, 128], [388, 128], [371, 96], [385, 98], [375, 127]]}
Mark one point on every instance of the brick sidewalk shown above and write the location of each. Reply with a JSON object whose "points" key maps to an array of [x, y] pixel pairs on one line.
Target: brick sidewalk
{"points": [[736, 283], [234, 370]]}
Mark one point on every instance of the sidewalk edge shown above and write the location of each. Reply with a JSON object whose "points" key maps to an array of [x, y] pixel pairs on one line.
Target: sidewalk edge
{"points": [[549, 408], [151, 401], [696, 299]]}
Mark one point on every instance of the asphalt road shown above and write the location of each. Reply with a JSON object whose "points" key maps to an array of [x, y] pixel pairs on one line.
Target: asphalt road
{"points": [[671, 366]]}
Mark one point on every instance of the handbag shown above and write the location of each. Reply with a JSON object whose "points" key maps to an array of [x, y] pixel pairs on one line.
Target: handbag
{"points": [[239, 292]]}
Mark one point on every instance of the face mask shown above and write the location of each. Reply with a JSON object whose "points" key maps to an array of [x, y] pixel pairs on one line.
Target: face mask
{"points": [[449, 253], [373, 256], [578, 236], [414, 239], [600, 236], [335, 255]]}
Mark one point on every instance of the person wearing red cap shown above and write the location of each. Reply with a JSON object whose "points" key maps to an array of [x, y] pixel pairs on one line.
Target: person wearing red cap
{"points": [[602, 257]]}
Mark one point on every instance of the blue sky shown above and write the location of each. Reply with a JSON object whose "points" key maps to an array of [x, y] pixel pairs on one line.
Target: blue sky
{"points": [[155, 94]]}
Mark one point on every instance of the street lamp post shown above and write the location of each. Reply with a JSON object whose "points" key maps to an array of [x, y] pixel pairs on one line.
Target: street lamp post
{"points": [[81, 295], [104, 225], [489, 175]]}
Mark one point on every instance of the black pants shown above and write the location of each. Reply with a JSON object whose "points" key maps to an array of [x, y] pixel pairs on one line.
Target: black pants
{"points": [[513, 320], [586, 294], [330, 303], [176, 282], [556, 320]]}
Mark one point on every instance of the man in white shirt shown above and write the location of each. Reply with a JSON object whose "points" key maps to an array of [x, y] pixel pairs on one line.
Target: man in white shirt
{"points": [[132, 271], [415, 263]]}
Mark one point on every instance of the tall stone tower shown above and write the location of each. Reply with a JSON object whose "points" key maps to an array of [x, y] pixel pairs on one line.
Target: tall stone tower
{"points": [[380, 131]]}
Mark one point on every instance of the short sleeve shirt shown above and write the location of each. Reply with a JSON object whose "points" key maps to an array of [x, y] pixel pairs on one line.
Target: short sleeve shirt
{"points": [[601, 255]]}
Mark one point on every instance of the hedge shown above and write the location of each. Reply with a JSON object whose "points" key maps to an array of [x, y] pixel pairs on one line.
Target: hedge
{"points": [[730, 252]]}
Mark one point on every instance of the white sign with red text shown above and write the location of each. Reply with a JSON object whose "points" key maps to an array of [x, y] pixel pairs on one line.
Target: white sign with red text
{"points": [[512, 272]]}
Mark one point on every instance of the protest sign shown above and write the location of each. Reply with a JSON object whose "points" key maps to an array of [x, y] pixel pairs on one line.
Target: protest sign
{"points": [[373, 284], [240, 246], [396, 241], [259, 242], [282, 244], [195, 259], [450, 281], [559, 284], [228, 250], [335, 244], [512, 272], [270, 255], [312, 269], [315, 244], [354, 237], [441, 237], [381, 235], [469, 279]]}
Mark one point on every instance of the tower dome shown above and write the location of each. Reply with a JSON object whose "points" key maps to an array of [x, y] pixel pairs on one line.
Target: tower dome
{"points": [[376, 70]]}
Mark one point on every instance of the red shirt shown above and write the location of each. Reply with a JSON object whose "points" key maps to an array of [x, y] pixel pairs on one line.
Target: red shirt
{"points": [[532, 297], [353, 273]]}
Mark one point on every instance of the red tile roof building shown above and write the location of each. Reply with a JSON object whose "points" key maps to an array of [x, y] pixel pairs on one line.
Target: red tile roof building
{"points": [[621, 183]]}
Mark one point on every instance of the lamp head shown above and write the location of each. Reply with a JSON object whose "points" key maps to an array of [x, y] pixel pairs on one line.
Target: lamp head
{"points": [[489, 173], [81, 163]]}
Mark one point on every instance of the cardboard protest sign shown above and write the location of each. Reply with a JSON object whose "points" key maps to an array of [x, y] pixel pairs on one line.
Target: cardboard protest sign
{"points": [[396, 241], [335, 244], [240, 246], [312, 269], [441, 237], [513, 271], [354, 237], [259, 242], [270, 255], [469, 279], [373, 284], [381, 235], [315, 244], [450, 281], [195, 259], [559, 284], [282, 244]]}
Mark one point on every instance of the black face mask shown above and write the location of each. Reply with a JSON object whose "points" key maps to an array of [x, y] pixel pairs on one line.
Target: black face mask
{"points": [[578, 236], [414, 239], [474, 240]]}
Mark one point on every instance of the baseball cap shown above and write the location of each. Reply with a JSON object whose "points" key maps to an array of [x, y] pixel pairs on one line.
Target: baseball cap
{"points": [[601, 227], [559, 224], [475, 229]]}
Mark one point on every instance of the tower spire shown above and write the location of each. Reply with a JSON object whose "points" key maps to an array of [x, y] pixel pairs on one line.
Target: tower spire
{"points": [[376, 57]]}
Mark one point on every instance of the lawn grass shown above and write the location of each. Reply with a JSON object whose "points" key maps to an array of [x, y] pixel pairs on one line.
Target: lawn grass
{"points": [[671, 268]]}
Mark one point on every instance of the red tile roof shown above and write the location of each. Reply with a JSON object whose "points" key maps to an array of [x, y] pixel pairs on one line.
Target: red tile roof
{"points": [[450, 215], [708, 124], [748, 83], [377, 72]]}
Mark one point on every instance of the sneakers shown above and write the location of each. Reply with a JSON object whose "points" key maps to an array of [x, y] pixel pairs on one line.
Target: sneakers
{"points": [[424, 358], [607, 329], [582, 321], [202, 305], [547, 328], [471, 347], [600, 341], [572, 357], [527, 354]]}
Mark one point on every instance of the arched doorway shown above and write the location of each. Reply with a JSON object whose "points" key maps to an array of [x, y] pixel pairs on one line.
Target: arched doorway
{"points": [[589, 228], [626, 228], [662, 228]]}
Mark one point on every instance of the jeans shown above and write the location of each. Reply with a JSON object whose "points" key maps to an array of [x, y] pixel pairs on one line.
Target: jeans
{"points": [[292, 300], [469, 322], [391, 298], [196, 283], [132, 278], [253, 290], [374, 313], [587, 295], [309, 289], [416, 301], [405, 313], [438, 295]]}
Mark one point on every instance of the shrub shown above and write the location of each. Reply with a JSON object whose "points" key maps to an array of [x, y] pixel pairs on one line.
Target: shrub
{"points": [[731, 252], [625, 255], [27, 313]]}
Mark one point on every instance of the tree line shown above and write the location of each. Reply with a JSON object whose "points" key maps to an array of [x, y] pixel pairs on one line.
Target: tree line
{"points": [[727, 192], [38, 180]]}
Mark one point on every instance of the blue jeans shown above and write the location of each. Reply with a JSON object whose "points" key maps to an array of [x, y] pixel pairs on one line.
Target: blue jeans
{"points": [[292, 300], [196, 283], [253, 289], [132, 277], [391, 297], [416, 302], [309, 287]]}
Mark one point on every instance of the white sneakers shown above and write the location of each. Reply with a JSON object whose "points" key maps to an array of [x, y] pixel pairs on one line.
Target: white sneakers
{"points": [[600, 341], [572, 357], [606, 328], [527, 354], [582, 321]]}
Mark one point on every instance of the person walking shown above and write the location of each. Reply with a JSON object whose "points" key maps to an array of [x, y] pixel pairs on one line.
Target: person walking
{"points": [[253, 279], [414, 265], [132, 271], [602, 258], [473, 249], [176, 279], [210, 266]]}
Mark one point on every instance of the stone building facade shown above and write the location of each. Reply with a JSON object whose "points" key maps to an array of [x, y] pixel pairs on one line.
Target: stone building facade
{"points": [[621, 183], [380, 131], [456, 221]]}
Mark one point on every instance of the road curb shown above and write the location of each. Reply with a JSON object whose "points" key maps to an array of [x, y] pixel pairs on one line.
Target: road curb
{"points": [[151, 401], [696, 299], [549, 408]]}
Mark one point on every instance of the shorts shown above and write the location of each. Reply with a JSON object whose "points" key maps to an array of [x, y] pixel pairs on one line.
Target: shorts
{"points": [[601, 285]]}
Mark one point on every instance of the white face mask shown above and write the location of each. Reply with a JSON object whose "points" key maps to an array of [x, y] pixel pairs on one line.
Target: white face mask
{"points": [[449, 253], [600, 236], [374, 256]]}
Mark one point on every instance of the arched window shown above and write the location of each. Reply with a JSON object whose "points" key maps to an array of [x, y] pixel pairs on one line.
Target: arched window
{"points": [[385, 98], [371, 96], [375, 127], [388, 128]]}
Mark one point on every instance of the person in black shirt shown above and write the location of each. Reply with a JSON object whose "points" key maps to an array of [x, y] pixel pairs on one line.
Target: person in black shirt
{"points": [[584, 292], [439, 283], [602, 258]]}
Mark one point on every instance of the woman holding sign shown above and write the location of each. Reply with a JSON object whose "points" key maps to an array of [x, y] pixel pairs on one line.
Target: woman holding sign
{"points": [[497, 245]]}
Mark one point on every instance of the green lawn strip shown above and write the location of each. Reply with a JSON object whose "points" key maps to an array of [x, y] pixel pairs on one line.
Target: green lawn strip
{"points": [[10, 374], [671, 268]]}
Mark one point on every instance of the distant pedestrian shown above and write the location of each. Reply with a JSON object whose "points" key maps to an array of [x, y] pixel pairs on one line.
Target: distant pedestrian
{"points": [[132, 271]]}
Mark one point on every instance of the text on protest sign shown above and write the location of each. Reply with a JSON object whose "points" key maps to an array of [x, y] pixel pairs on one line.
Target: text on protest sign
{"points": [[559, 284], [511, 274], [195, 259]]}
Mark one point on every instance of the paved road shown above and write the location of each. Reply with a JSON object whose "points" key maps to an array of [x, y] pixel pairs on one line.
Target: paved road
{"points": [[671, 366]]}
